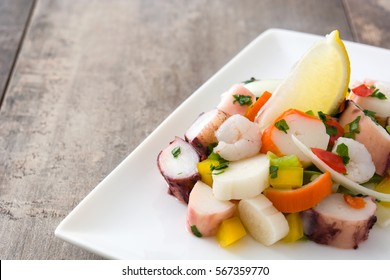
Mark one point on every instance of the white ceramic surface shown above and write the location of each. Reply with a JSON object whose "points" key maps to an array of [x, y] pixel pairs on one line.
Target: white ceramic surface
{"points": [[129, 215]]}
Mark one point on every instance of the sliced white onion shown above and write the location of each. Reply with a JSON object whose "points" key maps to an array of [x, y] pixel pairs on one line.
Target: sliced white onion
{"points": [[338, 177]]}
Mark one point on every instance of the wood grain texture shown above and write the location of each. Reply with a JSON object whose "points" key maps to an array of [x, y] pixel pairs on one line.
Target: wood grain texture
{"points": [[370, 21], [14, 16], [94, 78]]}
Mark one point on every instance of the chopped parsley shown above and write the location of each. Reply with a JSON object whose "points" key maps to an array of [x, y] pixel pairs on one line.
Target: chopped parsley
{"points": [[273, 171], [249, 81], [310, 112], [371, 115], [322, 116], [176, 152], [210, 148], [377, 94], [331, 130], [375, 179], [352, 128], [388, 129], [195, 231], [219, 168], [242, 99], [282, 125], [342, 151]]}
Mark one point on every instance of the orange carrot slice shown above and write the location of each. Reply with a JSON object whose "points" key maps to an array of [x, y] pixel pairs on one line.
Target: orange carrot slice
{"points": [[255, 108], [306, 197], [355, 201]]}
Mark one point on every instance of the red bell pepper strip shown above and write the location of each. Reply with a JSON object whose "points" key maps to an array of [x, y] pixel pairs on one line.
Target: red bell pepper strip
{"points": [[332, 160], [363, 90]]}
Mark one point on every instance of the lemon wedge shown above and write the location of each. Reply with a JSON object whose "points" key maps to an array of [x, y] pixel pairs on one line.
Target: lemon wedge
{"points": [[318, 82]]}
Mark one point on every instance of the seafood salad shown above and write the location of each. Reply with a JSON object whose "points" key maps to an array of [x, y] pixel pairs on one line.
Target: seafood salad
{"points": [[287, 160]]}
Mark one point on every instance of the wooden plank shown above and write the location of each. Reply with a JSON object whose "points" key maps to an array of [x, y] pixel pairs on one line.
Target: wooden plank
{"points": [[370, 21], [14, 16], [94, 78]]}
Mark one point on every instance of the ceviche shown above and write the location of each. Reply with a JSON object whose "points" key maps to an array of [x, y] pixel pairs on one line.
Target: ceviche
{"points": [[303, 158]]}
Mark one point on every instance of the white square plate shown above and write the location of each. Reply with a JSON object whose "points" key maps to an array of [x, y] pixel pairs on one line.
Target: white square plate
{"points": [[129, 215]]}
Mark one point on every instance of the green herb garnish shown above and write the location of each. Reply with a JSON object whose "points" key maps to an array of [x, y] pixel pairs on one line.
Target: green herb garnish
{"points": [[242, 99], [310, 112], [282, 125], [219, 168], [176, 152], [353, 128], [371, 115], [195, 231], [249, 81], [273, 171], [342, 151], [210, 147], [388, 129], [377, 94], [322, 116], [330, 129], [375, 179]]}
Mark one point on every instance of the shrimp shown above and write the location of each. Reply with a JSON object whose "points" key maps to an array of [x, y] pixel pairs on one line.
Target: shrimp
{"points": [[238, 138], [360, 167], [236, 100]]}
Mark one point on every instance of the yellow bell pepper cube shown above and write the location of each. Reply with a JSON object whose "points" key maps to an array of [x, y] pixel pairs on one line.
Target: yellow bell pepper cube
{"points": [[296, 228], [204, 169], [230, 231], [384, 187], [286, 177]]}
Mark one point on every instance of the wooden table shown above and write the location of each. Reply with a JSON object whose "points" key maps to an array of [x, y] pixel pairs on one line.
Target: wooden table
{"points": [[82, 83]]}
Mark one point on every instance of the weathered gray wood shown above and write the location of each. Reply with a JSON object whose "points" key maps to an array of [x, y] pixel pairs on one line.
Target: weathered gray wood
{"points": [[94, 78], [370, 21], [14, 16]]}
